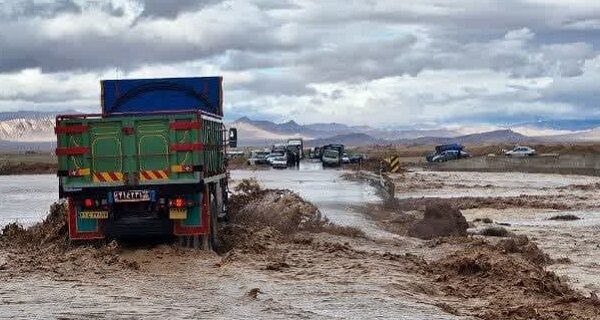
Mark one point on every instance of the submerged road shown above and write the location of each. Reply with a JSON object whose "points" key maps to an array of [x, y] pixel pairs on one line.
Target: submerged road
{"points": [[27, 198], [336, 197]]}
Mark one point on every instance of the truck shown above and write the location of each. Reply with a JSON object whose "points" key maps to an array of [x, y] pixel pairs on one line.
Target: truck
{"points": [[151, 164], [296, 145], [332, 155]]}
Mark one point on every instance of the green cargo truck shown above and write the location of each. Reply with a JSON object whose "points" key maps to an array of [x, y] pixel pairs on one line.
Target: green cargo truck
{"points": [[137, 175]]}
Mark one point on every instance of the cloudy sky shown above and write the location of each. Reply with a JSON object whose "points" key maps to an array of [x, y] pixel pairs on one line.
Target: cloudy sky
{"points": [[382, 63]]}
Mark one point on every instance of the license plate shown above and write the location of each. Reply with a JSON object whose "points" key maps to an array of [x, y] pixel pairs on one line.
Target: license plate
{"points": [[178, 214], [93, 214], [132, 196]]}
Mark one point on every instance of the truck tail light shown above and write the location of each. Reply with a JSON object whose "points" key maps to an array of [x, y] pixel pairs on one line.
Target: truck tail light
{"points": [[88, 203], [178, 203]]}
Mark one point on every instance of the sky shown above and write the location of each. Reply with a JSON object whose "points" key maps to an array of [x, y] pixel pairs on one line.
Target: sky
{"points": [[369, 62]]}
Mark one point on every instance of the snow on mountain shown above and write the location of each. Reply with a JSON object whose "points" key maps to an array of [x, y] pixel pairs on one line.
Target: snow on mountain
{"points": [[38, 129]]}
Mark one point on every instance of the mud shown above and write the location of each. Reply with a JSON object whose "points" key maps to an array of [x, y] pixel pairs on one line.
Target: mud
{"points": [[45, 247], [16, 168], [440, 219], [514, 286], [280, 258]]}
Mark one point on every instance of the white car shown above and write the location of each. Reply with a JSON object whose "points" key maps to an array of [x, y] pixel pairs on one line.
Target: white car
{"points": [[345, 158], [520, 151], [271, 156], [279, 162]]}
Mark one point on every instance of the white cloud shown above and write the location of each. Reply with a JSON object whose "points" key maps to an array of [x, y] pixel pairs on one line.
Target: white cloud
{"points": [[378, 62]]}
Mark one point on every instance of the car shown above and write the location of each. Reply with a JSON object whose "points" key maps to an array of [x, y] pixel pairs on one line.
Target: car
{"points": [[356, 158], [279, 162], [274, 155], [345, 158], [258, 157], [331, 158], [450, 155], [521, 151]]}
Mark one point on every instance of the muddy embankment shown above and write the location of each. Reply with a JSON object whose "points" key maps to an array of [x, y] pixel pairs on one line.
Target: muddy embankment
{"points": [[291, 250], [10, 168]]}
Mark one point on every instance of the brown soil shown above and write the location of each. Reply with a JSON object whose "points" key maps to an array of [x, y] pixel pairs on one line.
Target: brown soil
{"points": [[277, 237], [260, 217], [441, 219], [513, 286], [565, 217], [522, 201], [9, 168], [45, 247]]}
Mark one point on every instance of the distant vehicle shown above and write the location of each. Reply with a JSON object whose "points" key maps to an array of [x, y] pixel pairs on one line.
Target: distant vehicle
{"points": [[357, 158], [345, 158], [258, 157], [439, 150], [332, 155], [450, 155], [279, 162], [297, 145], [331, 158], [521, 151], [315, 153], [279, 148], [274, 155], [235, 154]]}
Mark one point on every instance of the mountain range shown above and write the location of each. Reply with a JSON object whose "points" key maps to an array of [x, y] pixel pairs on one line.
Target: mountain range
{"points": [[30, 130]]}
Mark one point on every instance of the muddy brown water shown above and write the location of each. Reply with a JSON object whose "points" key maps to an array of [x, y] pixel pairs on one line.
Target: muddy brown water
{"points": [[192, 288]]}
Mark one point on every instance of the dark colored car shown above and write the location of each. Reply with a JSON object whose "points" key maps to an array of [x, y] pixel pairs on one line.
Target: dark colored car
{"points": [[450, 155]]}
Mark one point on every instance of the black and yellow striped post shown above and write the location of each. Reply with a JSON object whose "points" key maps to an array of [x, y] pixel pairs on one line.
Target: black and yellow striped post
{"points": [[393, 164]]}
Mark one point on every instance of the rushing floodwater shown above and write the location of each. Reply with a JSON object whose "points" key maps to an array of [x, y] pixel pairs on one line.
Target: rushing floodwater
{"points": [[26, 198]]}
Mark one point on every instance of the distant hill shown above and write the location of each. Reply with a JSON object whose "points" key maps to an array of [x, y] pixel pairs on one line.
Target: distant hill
{"points": [[497, 136], [351, 139]]}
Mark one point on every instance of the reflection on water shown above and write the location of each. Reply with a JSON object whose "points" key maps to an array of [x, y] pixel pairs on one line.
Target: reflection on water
{"points": [[26, 198], [333, 195]]}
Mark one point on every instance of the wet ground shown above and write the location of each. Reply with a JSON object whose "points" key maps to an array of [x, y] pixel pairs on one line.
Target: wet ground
{"points": [[190, 285], [577, 241], [358, 282]]}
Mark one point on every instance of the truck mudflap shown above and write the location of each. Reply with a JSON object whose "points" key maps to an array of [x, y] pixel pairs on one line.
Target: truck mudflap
{"points": [[81, 228], [197, 221]]}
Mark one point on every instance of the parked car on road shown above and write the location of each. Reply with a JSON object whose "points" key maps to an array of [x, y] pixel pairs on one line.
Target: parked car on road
{"points": [[521, 151], [450, 155], [331, 158], [345, 158], [258, 157], [357, 158], [279, 162], [271, 156], [447, 152]]}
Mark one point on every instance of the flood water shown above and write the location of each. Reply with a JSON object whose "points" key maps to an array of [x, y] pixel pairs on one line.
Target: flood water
{"points": [[26, 198], [335, 197]]}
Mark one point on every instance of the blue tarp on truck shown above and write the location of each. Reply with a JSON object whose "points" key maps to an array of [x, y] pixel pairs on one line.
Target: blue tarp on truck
{"points": [[167, 94]]}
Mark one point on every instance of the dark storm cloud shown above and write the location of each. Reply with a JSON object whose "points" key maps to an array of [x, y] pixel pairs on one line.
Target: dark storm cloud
{"points": [[276, 49], [172, 8], [32, 8]]}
